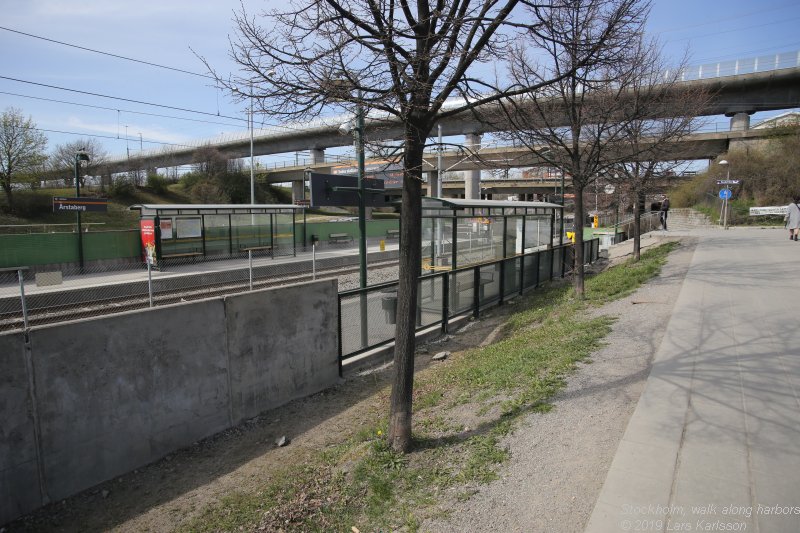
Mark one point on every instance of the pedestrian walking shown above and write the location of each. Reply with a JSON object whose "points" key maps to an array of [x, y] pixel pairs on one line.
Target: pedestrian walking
{"points": [[793, 218], [664, 212]]}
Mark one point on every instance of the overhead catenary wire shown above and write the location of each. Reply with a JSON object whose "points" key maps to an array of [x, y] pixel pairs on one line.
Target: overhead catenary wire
{"points": [[142, 102], [99, 95], [149, 63], [120, 110]]}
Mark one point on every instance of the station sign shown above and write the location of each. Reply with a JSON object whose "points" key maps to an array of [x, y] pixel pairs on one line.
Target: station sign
{"points": [[331, 190], [728, 182], [82, 204]]}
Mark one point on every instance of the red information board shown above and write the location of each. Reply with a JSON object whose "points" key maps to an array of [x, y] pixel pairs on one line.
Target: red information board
{"points": [[148, 231]]}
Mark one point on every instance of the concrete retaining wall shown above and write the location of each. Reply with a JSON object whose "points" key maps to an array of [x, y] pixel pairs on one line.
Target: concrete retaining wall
{"points": [[83, 402]]}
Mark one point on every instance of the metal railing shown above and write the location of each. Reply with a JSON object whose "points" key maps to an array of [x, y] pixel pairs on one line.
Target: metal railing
{"points": [[442, 296]]}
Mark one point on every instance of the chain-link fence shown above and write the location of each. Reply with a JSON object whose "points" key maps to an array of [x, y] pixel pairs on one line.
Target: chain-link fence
{"points": [[368, 316]]}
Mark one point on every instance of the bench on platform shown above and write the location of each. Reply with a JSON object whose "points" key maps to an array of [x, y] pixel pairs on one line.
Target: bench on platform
{"points": [[267, 248], [186, 254], [334, 238]]}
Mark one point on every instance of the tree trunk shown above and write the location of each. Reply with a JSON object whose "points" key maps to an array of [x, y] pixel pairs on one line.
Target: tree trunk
{"points": [[637, 225], [578, 227], [9, 196], [410, 235]]}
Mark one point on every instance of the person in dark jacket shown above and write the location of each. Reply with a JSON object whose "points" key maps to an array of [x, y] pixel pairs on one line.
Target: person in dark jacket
{"points": [[664, 212]]}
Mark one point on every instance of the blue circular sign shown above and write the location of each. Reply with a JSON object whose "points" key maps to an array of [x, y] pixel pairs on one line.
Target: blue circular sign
{"points": [[725, 194]]}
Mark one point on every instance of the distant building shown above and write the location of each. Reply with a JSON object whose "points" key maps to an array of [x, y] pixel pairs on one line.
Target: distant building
{"points": [[541, 174], [790, 118]]}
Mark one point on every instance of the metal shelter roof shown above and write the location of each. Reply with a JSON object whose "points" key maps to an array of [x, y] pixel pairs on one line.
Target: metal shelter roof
{"points": [[213, 209], [429, 202]]}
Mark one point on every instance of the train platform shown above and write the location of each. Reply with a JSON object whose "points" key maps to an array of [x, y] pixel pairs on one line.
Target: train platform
{"points": [[302, 260]]}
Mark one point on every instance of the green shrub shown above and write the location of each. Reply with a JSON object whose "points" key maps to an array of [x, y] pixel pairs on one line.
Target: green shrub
{"points": [[157, 183], [208, 192], [122, 189], [190, 179], [32, 205]]}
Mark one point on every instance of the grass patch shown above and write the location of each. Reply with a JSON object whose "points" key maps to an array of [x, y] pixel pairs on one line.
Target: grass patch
{"points": [[463, 410]]}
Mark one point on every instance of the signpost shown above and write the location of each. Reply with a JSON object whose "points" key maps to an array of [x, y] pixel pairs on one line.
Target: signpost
{"points": [[727, 182], [725, 194], [342, 191]]}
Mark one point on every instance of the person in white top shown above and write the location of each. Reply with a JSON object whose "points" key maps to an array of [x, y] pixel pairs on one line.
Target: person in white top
{"points": [[793, 218]]}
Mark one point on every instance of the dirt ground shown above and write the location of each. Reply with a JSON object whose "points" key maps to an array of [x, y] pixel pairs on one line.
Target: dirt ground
{"points": [[580, 434], [162, 496]]}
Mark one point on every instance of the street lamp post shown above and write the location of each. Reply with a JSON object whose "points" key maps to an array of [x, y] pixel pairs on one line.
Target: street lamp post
{"points": [[252, 176], [79, 156]]}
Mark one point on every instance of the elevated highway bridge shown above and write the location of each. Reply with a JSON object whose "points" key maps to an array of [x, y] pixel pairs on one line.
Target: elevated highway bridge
{"points": [[737, 96]]}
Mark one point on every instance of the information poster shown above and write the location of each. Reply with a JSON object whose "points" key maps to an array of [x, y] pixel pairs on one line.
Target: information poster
{"points": [[166, 228], [188, 227], [148, 232]]}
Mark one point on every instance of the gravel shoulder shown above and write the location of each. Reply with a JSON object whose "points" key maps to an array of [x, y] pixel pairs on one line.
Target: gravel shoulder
{"points": [[559, 459]]}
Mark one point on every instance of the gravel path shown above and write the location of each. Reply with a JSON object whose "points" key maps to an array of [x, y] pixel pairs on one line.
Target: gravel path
{"points": [[560, 459]]}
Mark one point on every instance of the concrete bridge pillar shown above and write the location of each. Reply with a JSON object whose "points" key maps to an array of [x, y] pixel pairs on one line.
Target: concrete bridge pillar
{"points": [[740, 121], [472, 178], [433, 183], [317, 155], [298, 191]]}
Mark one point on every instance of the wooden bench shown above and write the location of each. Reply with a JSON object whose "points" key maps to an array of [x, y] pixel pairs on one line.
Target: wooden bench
{"points": [[257, 249], [392, 233], [334, 238], [187, 254]]}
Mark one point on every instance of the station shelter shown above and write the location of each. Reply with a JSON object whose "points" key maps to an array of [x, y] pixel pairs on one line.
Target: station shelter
{"points": [[459, 233], [180, 231]]}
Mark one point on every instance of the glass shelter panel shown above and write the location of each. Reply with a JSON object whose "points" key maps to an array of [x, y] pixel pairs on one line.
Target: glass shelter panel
{"points": [[283, 243], [479, 239], [511, 276], [531, 268], [250, 232], [217, 231], [181, 235], [429, 305], [437, 243], [462, 291], [513, 235], [537, 232], [545, 263], [489, 289]]}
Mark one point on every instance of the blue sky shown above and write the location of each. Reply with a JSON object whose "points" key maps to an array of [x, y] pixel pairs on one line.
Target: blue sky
{"points": [[166, 31]]}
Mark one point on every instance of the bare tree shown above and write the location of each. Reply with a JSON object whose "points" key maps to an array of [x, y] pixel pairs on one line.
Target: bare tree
{"points": [[659, 112], [62, 160], [400, 61], [21, 149], [570, 123]]}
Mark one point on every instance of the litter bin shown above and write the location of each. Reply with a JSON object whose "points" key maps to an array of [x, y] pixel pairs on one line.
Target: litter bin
{"points": [[389, 305]]}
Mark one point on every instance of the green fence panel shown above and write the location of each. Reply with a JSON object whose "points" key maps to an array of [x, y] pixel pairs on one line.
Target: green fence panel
{"points": [[111, 245], [38, 249], [375, 228], [54, 248]]}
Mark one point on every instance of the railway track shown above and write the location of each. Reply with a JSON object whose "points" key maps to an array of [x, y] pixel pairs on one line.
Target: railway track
{"points": [[50, 314]]}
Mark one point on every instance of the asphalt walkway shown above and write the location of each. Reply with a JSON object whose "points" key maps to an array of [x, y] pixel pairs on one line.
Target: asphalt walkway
{"points": [[714, 442]]}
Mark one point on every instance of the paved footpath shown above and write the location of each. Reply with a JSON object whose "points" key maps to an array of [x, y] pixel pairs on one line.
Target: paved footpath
{"points": [[714, 442]]}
